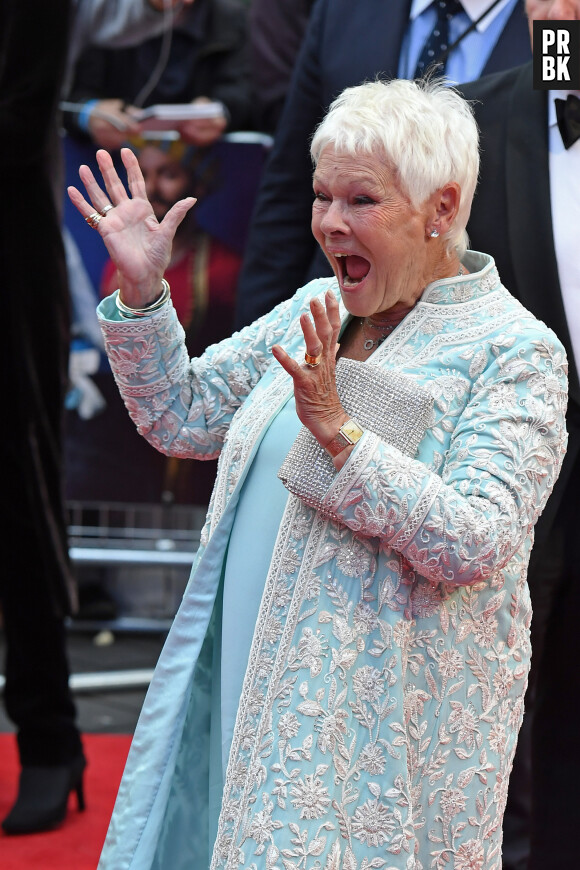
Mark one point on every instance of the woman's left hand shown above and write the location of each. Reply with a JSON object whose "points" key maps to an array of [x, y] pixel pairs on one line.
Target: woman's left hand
{"points": [[317, 402]]}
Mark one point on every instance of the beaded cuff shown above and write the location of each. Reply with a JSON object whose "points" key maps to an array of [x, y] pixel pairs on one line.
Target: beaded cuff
{"points": [[391, 405]]}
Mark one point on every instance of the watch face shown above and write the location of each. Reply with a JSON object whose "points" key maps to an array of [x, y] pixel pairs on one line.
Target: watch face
{"points": [[352, 431]]}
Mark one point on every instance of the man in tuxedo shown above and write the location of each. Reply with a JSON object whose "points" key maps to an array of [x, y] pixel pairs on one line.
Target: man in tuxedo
{"points": [[347, 43], [526, 214]]}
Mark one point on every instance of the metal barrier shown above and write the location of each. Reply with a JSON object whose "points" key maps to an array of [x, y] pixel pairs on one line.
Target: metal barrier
{"points": [[131, 543]]}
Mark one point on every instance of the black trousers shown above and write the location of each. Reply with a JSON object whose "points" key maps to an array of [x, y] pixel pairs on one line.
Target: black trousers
{"points": [[36, 589], [555, 743], [37, 694], [541, 820], [35, 583]]}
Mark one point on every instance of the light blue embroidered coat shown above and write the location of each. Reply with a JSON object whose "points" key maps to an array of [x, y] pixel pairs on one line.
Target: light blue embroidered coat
{"points": [[384, 689]]}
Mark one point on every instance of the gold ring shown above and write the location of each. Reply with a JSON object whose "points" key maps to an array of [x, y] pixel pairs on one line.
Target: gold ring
{"points": [[105, 209], [93, 219], [312, 361]]}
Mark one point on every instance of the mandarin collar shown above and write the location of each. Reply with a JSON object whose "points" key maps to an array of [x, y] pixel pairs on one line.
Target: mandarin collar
{"points": [[482, 279]]}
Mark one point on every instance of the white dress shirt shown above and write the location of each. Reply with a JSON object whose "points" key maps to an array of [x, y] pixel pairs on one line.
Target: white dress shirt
{"points": [[565, 202]]}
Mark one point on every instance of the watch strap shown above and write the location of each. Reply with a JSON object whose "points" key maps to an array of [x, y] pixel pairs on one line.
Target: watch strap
{"points": [[348, 434]]}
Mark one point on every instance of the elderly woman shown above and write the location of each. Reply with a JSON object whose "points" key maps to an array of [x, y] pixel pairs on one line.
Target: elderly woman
{"points": [[343, 684]]}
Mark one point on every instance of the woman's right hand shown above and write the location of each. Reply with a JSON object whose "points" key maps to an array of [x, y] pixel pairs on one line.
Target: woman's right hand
{"points": [[139, 245]]}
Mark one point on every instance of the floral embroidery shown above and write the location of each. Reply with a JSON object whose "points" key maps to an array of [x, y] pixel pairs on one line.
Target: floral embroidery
{"points": [[372, 759], [368, 684], [469, 856], [372, 823], [310, 796]]}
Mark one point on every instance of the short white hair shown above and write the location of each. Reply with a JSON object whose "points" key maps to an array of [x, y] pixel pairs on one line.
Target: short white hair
{"points": [[426, 131]]}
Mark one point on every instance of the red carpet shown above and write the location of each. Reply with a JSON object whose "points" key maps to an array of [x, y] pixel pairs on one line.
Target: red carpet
{"points": [[76, 845]]}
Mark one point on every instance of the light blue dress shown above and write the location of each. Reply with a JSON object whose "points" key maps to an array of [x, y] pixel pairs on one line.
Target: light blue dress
{"points": [[382, 685], [246, 570]]}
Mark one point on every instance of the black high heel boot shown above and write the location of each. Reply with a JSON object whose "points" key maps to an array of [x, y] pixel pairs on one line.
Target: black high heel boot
{"points": [[43, 796]]}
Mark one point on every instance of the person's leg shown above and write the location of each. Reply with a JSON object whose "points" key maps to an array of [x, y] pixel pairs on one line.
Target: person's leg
{"points": [[36, 587], [545, 578], [37, 694], [555, 756]]}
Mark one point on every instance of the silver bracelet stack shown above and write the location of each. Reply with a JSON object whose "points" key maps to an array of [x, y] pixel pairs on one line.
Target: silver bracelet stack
{"points": [[135, 313]]}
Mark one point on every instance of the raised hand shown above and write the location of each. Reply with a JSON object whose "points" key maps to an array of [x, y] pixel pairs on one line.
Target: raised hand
{"points": [[139, 245], [317, 402]]}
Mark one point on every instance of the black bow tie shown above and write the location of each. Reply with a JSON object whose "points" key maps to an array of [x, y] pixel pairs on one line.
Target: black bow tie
{"points": [[568, 115]]}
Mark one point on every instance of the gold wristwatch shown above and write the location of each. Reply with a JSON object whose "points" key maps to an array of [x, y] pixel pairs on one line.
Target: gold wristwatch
{"points": [[349, 433]]}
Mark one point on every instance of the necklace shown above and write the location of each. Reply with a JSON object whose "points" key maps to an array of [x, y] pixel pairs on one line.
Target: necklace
{"points": [[384, 328]]}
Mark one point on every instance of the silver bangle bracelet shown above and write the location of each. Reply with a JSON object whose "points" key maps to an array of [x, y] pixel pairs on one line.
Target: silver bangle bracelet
{"points": [[133, 313]]}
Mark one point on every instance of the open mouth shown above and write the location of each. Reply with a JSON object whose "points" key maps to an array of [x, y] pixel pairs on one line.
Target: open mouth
{"points": [[353, 269]]}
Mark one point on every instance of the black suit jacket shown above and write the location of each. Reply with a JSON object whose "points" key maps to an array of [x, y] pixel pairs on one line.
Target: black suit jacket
{"points": [[34, 346], [511, 220], [346, 43]]}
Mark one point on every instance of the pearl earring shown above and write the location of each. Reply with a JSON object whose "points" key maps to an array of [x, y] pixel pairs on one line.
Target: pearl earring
{"points": [[434, 234]]}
